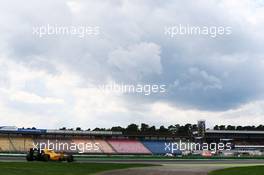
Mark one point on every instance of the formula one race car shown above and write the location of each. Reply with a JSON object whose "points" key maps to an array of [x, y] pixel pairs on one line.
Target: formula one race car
{"points": [[47, 155]]}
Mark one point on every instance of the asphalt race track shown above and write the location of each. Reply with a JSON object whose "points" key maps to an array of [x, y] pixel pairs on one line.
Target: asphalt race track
{"points": [[181, 167], [168, 166]]}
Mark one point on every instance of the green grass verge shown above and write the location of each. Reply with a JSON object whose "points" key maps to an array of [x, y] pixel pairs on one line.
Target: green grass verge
{"points": [[251, 170], [59, 168]]}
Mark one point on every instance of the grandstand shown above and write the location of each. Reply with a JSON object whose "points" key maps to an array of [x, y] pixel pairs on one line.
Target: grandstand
{"points": [[237, 137], [157, 147], [128, 147], [20, 140], [243, 142]]}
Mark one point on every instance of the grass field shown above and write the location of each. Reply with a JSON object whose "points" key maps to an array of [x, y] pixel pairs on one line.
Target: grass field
{"points": [[55, 168], [252, 170]]}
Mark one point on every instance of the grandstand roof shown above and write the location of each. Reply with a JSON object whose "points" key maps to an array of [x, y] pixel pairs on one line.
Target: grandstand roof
{"points": [[232, 132], [15, 130]]}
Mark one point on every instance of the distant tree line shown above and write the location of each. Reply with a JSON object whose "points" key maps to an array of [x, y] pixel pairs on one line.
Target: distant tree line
{"points": [[183, 130], [145, 129], [239, 128]]}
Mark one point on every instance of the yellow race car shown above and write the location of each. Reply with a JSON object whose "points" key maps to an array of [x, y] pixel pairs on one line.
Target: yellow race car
{"points": [[47, 155]]}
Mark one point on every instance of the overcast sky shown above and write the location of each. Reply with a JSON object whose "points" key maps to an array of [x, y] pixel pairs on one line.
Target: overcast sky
{"points": [[53, 81]]}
